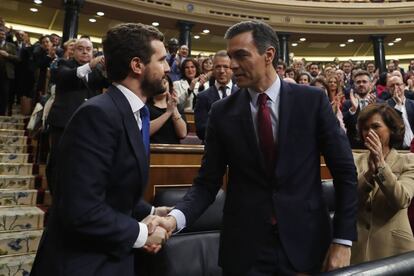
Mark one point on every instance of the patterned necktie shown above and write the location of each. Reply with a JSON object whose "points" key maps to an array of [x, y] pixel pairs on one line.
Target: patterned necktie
{"points": [[144, 113], [265, 131], [223, 90]]}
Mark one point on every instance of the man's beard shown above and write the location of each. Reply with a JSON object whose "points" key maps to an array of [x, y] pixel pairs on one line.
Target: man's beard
{"points": [[150, 87]]}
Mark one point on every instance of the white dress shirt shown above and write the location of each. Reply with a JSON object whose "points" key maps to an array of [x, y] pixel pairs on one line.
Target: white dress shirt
{"points": [[136, 104], [229, 85], [408, 135]]}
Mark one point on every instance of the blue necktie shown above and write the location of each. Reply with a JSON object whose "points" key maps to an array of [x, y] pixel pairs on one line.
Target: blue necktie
{"points": [[144, 113]]}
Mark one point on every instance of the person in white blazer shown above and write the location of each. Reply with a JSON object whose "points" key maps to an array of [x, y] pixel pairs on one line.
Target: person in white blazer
{"points": [[191, 84]]}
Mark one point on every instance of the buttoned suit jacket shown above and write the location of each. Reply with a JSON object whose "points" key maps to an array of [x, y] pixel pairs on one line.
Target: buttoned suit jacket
{"points": [[307, 127], [102, 172]]}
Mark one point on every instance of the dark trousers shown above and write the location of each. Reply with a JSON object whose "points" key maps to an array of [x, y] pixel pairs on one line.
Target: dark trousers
{"points": [[4, 94], [271, 260], [55, 133]]}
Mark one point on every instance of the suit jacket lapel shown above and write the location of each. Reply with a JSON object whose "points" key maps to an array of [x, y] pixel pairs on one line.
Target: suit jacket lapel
{"points": [[215, 95], [286, 105], [132, 130], [248, 127]]}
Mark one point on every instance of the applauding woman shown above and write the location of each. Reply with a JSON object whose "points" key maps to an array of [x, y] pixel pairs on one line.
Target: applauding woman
{"points": [[168, 125], [191, 84], [385, 187]]}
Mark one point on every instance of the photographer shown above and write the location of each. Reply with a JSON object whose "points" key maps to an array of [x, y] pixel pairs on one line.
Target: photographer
{"points": [[77, 80], [191, 83]]}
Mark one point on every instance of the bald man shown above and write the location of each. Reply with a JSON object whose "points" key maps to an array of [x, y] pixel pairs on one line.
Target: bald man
{"points": [[77, 80]]}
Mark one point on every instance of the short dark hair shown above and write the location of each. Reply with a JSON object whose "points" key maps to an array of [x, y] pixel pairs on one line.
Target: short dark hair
{"points": [[314, 63], [43, 37], [281, 63], [184, 63], [321, 80], [263, 36], [391, 119], [362, 73], [126, 41], [303, 74]]}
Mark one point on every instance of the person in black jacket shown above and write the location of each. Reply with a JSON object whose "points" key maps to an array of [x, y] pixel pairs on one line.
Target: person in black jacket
{"points": [[77, 80]]}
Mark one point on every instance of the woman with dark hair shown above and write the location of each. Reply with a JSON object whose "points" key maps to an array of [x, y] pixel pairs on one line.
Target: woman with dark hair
{"points": [[385, 186], [303, 78], [191, 83], [167, 122]]}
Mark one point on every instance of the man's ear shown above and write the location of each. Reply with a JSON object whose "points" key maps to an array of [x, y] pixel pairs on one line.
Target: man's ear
{"points": [[270, 55], [137, 66]]}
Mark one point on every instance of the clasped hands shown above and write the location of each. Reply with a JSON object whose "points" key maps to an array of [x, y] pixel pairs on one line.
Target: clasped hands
{"points": [[160, 227]]}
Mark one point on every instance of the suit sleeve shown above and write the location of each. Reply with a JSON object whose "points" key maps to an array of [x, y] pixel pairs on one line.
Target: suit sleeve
{"points": [[141, 210], [335, 147], [210, 176], [87, 150], [201, 115]]}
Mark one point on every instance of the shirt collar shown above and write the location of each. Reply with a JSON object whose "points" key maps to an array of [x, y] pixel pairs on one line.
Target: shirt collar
{"points": [[272, 92], [134, 101], [228, 85]]}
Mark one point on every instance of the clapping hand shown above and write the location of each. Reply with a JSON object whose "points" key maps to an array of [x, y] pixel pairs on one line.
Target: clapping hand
{"points": [[372, 98], [354, 100], [376, 156]]}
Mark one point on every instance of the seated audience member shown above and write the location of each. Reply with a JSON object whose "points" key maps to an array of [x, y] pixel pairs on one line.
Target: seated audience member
{"points": [[191, 83], [303, 78], [403, 106], [372, 71], [385, 187], [360, 98], [222, 88], [167, 125], [207, 67], [77, 80]]}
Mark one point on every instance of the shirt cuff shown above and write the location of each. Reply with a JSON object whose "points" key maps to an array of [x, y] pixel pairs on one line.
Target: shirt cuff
{"points": [[180, 218], [351, 112], [152, 211], [142, 236], [343, 242], [83, 71]]}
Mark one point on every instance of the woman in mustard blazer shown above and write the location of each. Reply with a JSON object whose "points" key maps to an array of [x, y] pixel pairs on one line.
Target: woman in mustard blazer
{"points": [[385, 187]]}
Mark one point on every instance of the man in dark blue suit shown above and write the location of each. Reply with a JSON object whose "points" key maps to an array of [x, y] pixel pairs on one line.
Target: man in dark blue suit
{"points": [[403, 106], [222, 88], [270, 135], [102, 166]]}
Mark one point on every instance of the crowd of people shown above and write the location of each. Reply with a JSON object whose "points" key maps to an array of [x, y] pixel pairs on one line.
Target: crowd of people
{"points": [[285, 116]]}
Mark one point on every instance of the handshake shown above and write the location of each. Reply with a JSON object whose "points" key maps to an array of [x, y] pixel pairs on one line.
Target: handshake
{"points": [[160, 227]]}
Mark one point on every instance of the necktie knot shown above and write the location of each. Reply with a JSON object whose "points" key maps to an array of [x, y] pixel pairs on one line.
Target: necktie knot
{"points": [[223, 90], [262, 100]]}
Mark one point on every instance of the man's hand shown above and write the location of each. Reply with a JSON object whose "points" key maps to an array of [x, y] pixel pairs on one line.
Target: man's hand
{"points": [[338, 256], [4, 53], [97, 60], [156, 240], [162, 211], [354, 100]]}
